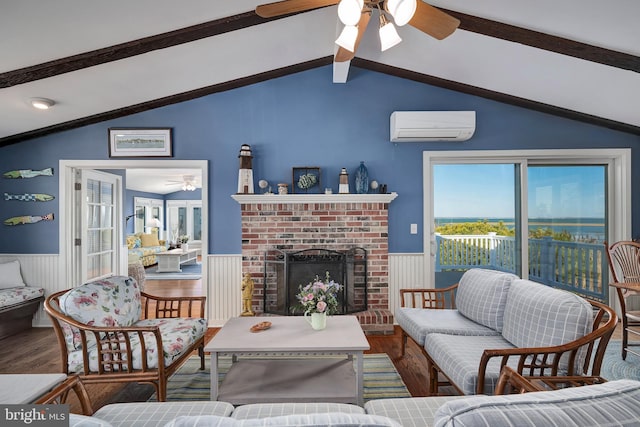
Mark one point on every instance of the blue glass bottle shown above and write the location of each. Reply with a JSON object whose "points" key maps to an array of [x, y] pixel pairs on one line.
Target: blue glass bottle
{"points": [[362, 179]]}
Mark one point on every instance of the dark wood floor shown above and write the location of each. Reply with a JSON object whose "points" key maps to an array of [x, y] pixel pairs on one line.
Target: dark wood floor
{"points": [[36, 351]]}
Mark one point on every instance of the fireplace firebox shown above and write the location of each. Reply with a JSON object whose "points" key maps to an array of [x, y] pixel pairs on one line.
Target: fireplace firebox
{"points": [[285, 272]]}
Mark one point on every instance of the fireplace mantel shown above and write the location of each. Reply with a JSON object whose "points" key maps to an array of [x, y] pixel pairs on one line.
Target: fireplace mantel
{"points": [[245, 199]]}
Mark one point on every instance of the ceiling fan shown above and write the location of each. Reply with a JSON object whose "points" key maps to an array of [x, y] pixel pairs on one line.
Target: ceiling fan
{"points": [[188, 183], [355, 14]]}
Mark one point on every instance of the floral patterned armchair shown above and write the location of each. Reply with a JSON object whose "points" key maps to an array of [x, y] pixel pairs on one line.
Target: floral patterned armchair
{"points": [[109, 330]]}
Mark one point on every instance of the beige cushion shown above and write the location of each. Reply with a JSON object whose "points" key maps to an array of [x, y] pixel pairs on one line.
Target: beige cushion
{"points": [[149, 240]]}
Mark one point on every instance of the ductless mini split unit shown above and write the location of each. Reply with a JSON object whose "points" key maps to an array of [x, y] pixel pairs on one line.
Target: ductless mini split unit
{"points": [[420, 126]]}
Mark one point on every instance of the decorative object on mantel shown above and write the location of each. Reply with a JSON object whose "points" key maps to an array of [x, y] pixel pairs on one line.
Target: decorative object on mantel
{"points": [[247, 296], [383, 189], [283, 188], [305, 179], [245, 174], [29, 197], [28, 219], [362, 179], [28, 173], [264, 185], [374, 185], [344, 182]]}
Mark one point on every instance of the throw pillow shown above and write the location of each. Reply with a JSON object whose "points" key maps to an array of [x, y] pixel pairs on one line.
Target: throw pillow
{"points": [[10, 276], [149, 240]]}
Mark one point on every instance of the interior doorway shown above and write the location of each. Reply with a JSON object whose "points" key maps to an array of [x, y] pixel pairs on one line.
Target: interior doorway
{"points": [[68, 204]]}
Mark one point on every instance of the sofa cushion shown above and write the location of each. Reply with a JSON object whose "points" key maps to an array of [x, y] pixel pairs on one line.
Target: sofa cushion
{"points": [[178, 335], [482, 294], [148, 414], [412, 412], [459, 357], [11, 296], [418, 322], [10, 276], [76, 420], [133, 241], [616, 403], [260, 410], [149, 240], [537, 315], [296, 420]]}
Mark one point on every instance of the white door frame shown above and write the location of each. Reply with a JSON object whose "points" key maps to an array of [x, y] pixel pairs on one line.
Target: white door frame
{"points": [[66, 206]]}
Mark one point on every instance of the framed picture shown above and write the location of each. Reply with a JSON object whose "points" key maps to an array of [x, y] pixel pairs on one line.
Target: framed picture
{"points": [[306, 179], [140, 142]]}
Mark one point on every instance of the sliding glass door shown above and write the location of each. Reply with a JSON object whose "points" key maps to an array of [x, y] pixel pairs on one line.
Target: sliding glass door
{"points": [[475, 219], [541, 215], [567, 218]]}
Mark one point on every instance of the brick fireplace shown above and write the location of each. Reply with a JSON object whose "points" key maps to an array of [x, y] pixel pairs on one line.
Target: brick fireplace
{"points": [[336, 222]]}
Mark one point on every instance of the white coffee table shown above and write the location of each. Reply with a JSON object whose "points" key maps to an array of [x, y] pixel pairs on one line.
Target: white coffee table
{"points": [[290, 361], [170, 261]]}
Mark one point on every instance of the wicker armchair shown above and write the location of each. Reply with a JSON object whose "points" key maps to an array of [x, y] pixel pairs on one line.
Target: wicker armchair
{"points": [[105, 327], [624, 264]]}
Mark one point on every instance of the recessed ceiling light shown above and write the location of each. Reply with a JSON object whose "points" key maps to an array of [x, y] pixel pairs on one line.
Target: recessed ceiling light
{"points": [[42, 103]]}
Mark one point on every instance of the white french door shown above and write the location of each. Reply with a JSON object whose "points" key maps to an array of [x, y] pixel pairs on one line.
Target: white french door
{"points": [[96, 230]]}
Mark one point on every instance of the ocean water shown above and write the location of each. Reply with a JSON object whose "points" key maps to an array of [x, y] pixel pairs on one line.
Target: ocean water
{"points": [[582, 229]]}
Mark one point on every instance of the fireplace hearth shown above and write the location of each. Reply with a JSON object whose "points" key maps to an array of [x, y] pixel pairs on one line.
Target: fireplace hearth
{"points": [[285, 272]]}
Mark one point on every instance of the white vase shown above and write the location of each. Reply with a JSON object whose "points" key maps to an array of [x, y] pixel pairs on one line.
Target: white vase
{"points": [[318, 321], [184, 247]]}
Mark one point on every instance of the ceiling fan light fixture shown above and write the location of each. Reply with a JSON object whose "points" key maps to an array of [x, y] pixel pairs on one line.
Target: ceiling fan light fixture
{"points": [[401, 10], [349, 11], [388, 35], [189, 183], [348, 37]]}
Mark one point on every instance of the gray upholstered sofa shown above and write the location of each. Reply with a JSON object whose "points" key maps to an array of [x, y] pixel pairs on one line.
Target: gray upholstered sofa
{"points": [[616, 403], [495, 318]]}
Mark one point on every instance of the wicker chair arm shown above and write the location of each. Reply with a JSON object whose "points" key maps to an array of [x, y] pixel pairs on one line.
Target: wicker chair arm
{"points": [[541, 361], [443, 298], [157, 307]]}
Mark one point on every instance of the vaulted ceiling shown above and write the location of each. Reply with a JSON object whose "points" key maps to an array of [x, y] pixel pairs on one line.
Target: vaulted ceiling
{"points": [[102, 60]]}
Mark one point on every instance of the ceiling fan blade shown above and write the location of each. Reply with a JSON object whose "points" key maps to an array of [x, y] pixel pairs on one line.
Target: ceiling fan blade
{"points": [[343, 55], [286, 7], [433, 21]]}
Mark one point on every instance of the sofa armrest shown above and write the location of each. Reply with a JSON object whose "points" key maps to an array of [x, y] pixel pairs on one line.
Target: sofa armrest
{"points": [[157, 307], [429, 298], [545, 361]]}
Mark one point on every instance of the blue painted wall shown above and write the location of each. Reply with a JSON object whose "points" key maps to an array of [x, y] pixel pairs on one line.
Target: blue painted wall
{"points": [[300, 120]]}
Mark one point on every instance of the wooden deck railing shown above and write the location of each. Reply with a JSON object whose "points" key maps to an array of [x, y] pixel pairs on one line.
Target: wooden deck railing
{"points": [[577, 267]]}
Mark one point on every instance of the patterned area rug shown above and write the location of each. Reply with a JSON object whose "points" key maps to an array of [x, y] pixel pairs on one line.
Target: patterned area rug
{"points": [[189, 272], [614, 368], [381, 380]]}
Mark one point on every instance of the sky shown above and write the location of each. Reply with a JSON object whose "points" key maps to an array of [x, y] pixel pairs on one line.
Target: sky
{"points": [[487, 191]]}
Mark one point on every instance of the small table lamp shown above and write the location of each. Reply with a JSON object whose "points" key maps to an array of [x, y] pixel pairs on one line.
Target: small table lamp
{"points": [[154, 224]]}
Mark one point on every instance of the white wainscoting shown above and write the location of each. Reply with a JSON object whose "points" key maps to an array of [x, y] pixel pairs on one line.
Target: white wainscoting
{"points": [[224, 280], [224, 277], [405, 271], [40, 270]]}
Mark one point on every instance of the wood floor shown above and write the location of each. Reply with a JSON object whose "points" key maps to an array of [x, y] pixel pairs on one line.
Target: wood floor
{"points": [[36, 351]]}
